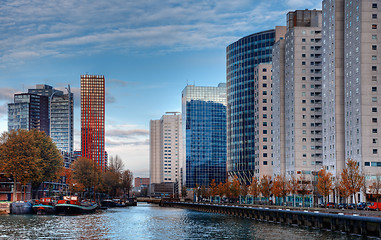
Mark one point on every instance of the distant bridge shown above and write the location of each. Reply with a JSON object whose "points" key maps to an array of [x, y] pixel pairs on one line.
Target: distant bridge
{"points": [[148, 200]]}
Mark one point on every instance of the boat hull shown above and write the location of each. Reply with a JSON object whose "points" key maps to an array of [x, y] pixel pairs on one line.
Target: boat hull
{"points": [[41, 209], [72, 209]]}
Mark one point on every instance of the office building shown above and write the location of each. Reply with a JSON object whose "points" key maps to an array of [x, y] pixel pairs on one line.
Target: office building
{"points": [[93, 119], [204, 129], [29, 111], [242, 57], [166, 148], [60, 114]]}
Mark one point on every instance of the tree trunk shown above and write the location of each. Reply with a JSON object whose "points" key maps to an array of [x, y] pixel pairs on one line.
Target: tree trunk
{"points": [[14, 189]]}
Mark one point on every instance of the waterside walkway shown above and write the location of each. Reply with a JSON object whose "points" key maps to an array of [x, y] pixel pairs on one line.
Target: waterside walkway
{"points": [[336, 221]]}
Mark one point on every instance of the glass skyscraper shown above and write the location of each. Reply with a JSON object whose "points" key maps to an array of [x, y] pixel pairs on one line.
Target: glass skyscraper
{"points": [[204, 129], [242, 57]]}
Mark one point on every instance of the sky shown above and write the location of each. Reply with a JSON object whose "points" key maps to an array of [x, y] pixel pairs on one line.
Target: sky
{"points": [[148, 51]]}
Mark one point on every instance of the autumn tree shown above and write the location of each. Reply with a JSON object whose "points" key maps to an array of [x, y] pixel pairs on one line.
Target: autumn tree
{"points": [[324, 184], [220, 189], [213, 188], [86, 172], [351, 178], [375, 188], [280, 189], [226, 188], [184, 192], [254, 188], [235, 188], [126, 182], [293, 186], [265, 186], [29, 156]]}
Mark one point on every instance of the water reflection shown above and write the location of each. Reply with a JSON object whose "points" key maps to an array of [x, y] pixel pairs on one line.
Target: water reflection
{"points": [[151, 222]]}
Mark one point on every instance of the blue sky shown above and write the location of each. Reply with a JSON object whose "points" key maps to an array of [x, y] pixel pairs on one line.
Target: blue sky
{"points": [[148, 51]]}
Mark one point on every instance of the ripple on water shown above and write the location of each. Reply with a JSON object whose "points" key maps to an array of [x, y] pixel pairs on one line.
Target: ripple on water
{"points": [[151, 222]]}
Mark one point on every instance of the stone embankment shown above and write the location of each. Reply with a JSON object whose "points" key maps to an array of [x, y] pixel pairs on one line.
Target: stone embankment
{"points": [[334, 221]]}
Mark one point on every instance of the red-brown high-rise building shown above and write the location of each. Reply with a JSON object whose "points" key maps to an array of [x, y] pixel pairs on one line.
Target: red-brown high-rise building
{"points": [[93, 118]]}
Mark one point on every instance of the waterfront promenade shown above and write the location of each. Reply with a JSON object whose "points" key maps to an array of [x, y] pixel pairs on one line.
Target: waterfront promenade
{"points": [[364, 223]]}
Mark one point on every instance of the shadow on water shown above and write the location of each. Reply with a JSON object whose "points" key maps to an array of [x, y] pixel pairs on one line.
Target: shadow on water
{"points": [[148, 221]]}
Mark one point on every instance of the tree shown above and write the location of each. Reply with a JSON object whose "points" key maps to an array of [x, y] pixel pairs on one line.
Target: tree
{"points": [[254, 188], [220, 189], [112, 177], [304, 187], [293, 186], [213, 188], [29, 156], [375, 188], [324, 184], [184, 192], [235, 188], [226, 188], [266, 187], [86, 172], [280, 189], [126, 182], [351, 178]]}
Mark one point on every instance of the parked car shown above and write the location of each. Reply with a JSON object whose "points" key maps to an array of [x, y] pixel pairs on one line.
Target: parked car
{"points": [[363, 206], [374, 206], [331, 204], [343, 205], [351, 206]]}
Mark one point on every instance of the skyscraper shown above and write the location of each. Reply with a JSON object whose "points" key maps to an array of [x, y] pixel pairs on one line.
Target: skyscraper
{"points": [[93, 118], [60, 114], [242, 57], [303, 100], [204, 128], [166, 148], [29, 111]]}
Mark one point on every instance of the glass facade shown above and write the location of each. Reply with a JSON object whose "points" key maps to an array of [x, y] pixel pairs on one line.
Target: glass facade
{"points": [[241, 58], [93, 119], [204, 128]]}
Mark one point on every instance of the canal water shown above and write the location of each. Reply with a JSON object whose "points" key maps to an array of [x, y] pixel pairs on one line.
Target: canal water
{"points": [[148, 221]]}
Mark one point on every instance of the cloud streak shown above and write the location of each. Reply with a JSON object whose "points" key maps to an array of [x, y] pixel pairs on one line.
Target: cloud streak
{"points": [[33, 29]]}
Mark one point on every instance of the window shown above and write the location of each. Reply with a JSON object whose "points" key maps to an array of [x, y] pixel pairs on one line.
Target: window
{"points": [[374, 120], [374, 68], [264, 70], [264, 146], [374, 151], [374, 5], [367, 164], [265, 162], [303, 63], [374, 89], [374, 140], [374, 109], [264, 100], [264, 139], [264, 77], [303, 40], [264, 124], [264, 85], [374, 99], [303, 47], [303, 55], [264, 93], [374, 37], [374, 78], [303, 101], [264, 131], [374, 47], [264, 108], [303, 78], [374, 26], [374, 15], [374, 57], [374, 130]]}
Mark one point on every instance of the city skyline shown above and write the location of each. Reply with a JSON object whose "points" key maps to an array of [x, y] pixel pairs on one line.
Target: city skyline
{"points": [[142, 51]]}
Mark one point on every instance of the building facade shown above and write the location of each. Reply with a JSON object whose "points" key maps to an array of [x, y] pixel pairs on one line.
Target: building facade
{"points": [[242, 57], [93, 119], [303, 100], [204, 129], [166, 148], [333, 86], [29, 111], [60, 115]]}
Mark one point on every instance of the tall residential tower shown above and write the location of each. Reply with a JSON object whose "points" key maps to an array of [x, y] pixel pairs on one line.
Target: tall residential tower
{"points": [[93, 118]]}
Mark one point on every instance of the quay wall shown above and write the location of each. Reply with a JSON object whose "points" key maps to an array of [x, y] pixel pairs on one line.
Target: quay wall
{"points": [[353, 224]]}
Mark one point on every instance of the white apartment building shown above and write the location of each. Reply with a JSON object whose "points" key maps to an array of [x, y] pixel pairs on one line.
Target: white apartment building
{"points": [[166, 148]]}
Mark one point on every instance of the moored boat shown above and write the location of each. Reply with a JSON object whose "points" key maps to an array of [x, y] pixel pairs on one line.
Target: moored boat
{"points": [[44, 206], [74, 207]]}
